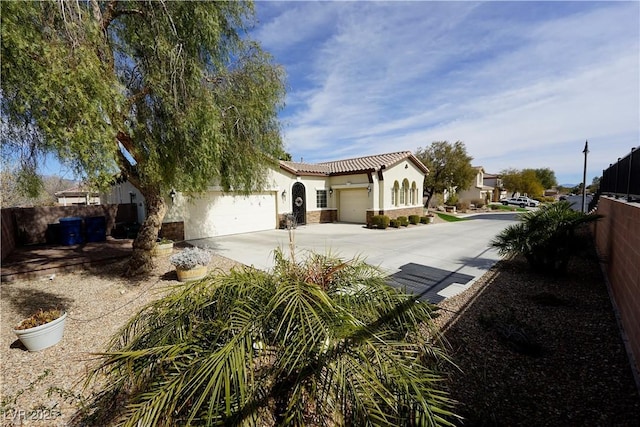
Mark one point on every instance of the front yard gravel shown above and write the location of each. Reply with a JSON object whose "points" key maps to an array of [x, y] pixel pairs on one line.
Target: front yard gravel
{"points": [[530, 350], [534, 350]]}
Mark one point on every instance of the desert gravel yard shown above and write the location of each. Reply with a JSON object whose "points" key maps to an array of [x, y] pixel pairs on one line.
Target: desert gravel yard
{"points": [[530, 350], [539, 351], [43, 388]]}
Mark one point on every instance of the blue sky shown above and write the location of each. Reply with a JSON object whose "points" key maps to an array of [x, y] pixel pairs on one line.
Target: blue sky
{"points": [[522, 84]]}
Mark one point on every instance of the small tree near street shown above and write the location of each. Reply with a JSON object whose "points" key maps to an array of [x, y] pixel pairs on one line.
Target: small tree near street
{"points": [[449, 167]]}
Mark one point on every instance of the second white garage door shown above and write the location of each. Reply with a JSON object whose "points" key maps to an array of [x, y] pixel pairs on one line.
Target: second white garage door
{"points": [[353, 206], [217, 214]]}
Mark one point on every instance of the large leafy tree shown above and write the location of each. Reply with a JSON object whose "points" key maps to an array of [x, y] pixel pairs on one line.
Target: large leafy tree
{"points": [[524, 181], [449, 167], [13, 192], [316, 342], [547, 177], [168, 94]]}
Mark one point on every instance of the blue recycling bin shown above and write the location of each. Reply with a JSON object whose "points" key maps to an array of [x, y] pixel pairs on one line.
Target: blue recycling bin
{"points": [[71, 230], [95, 228]]}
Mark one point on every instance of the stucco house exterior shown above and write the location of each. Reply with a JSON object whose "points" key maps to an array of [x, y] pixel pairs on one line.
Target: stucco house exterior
{"points": [[478, 189], [494, 181], [351, 190], [77, 196]]}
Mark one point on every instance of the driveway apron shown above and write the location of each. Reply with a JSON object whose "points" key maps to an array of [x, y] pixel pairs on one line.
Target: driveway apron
{"points": [[433, 261]]}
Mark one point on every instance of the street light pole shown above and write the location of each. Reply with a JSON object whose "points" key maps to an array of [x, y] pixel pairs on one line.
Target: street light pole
{"points": [[584, 176]]}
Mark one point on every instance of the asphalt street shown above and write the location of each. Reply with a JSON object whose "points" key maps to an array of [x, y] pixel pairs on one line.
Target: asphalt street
{"points": [[434, 261]]}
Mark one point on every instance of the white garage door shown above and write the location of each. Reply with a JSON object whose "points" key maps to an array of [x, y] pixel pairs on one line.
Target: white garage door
{"points": [[216, 214], [353, 206]]}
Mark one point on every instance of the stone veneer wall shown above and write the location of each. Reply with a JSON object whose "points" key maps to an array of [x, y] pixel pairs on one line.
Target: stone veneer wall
{"points": [[315, 217], [617, 238], [395, 213], [323, 216], [172, 231]]}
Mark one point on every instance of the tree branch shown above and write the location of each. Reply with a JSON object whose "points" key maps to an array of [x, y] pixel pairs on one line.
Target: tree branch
{"points": [[126, 141], [111, 13]]}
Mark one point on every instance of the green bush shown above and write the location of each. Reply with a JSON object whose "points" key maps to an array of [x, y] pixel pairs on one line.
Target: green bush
{"points": [[380, 221], [404, 221], [452, 200], [414, 219], [545, 237], [319, 339], [462, 206], [479, 203], [424, 220], [394, 223]]}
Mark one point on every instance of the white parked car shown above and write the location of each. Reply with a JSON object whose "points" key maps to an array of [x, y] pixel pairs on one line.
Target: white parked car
{"points": [[521, 201]]}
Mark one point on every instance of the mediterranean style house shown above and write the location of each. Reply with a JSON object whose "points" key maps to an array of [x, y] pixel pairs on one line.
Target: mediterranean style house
{"points": [[351, 190]]}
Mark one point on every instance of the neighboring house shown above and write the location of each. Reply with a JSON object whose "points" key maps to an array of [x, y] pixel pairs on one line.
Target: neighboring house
{"points": [[124, 192], [77, 196], [350, 190], [551, 192], [494, 181], [478, 189]]}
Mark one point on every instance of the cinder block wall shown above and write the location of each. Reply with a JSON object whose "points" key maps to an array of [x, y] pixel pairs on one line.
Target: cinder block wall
{"points": [[28, 226], [8, 233], [617, 238]]}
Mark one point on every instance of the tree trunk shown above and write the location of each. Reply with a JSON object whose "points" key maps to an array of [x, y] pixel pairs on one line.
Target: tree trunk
{"points": [[430, 192], [141, 261]]}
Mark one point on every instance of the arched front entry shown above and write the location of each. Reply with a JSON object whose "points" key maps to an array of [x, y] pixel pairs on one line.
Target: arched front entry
{"points": [[299, 203]]}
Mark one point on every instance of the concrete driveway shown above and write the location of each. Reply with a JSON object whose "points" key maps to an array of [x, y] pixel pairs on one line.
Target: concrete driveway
{"points": [[435, 261]]}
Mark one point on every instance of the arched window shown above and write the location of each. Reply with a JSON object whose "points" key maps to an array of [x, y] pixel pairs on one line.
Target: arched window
{"points": [[394, 194], [404, 194]]}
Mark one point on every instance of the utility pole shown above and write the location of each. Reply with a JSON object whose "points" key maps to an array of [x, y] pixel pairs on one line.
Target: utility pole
{"points": [[584, 177]]}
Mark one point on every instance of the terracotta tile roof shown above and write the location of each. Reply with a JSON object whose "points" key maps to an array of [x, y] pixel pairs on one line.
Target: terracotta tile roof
{"points": [[358, 164], [79, 189], [305, 168]]}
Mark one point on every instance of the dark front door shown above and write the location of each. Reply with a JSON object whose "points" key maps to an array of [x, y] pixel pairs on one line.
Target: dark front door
{"points": [[299, 203]]}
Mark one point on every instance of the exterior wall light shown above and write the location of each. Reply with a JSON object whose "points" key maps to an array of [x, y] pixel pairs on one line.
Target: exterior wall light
{"points": [[284, 195], [172, 194]]}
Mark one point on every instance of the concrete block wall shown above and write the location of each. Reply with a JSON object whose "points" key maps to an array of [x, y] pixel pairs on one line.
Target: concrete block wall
{"points": [[617, 237], [9, 233], [28, 226]]}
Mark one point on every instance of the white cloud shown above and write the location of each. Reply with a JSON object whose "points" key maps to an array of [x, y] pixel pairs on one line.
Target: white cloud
{"points": [[377, 77]]}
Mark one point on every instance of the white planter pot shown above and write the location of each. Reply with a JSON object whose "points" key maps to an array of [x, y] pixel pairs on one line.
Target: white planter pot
{"points": [[43, 336]]}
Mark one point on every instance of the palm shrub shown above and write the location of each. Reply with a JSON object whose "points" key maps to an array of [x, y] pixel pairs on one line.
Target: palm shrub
{"points": [[316, 342], [546, 237]]}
